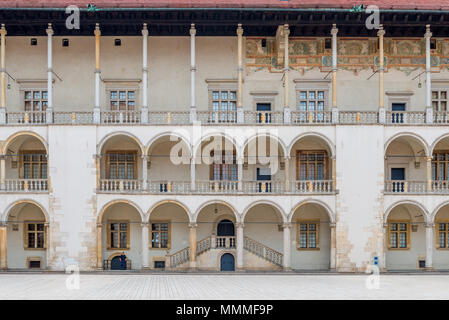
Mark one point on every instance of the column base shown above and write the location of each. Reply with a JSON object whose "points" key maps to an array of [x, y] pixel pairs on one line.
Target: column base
{"points": [[287, 269], [429, 269]]}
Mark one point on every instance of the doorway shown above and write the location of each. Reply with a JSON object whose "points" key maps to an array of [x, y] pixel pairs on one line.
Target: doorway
{"points": [[397, 179], [227, 262], [225, 228], [263, 112], [117, 264]]}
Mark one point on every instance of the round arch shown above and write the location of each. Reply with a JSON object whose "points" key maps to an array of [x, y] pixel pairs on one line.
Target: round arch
{"points": [[207, 203], [312, 201], [162, 202], [411, 135], [197, 145], [435, 211], [437, 140], [265, 202], [23, 133], [119, 133], [265, 134], [409, 202], [168, 134], [25, 201], [117, 201], [313, 134]]}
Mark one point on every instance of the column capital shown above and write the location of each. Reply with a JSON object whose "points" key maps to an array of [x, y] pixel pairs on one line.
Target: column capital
{"points": [[286, 225], [192, 29], [287, 157], [428, 34], [3, 30], [239, 225], [239, 29], [97, 31], [144, 30], [49, 30], [332, 224], [99, 225], [286, 30], [381, 31], [2, 157], [145, 224], [145, 157], [430, 225], [334, 30], [97, 156], [430, 158], [193, 224]]}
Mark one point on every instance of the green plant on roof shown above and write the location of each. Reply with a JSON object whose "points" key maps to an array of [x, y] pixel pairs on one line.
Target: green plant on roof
{"points": [[357, 9], [91, 7]]}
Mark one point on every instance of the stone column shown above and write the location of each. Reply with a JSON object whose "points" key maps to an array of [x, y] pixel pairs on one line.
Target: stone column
{"points": [[287, 113], [429, 108], [333, 246], [144, 172], [429, 245], [3, 74], [49, 113], [383, 261], [2, 172], [429, 173], [192, 174], [239, 245], [97, 34], [3, 247], [193, 116], [334, 174], [145, 246], [240, 173], [334, 32], [99, 246], [192, 245], [98, 169], [382, 113], [287, 246], [144, 111], [287, 173], [240, 114]]}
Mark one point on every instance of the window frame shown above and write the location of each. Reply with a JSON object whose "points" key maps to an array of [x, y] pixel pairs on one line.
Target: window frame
{"points": [[408, 234], [126, 152], [230, 165], [326, 169], [437, 233], [298, 234], [32, 100], [22, 163], [313, 85], [439, 100], [35, 232], [436, 162], [109, 92], [168, 222], [109, 233]]}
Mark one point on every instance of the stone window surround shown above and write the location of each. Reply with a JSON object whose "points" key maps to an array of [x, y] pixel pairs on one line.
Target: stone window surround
{"points": [[31, 85], [219, 85], [122, 84], [310, 85], [399, 97], [264, 97]]}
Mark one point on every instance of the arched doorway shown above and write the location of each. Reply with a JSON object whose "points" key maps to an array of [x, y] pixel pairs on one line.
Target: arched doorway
{"points": [[117, 263], [227, 262], [225, 228]]}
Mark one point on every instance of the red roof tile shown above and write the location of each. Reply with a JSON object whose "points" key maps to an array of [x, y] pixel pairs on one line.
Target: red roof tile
{"points": [[383, 4]]}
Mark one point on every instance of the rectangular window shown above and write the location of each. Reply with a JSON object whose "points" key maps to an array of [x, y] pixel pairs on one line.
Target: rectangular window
{"points": [[399, 233], [121, 165], [224, 105], [34, 235], [118, 235], [34, 164], [36, 100], [160, 235], [308, 235], [122, 100], [439, 100], [224, 167], [311, 165], [443, 235], [311, 100], [440, 165]]}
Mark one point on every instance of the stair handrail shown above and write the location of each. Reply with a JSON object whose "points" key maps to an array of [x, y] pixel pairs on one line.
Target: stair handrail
{"points": [[263, 251]]}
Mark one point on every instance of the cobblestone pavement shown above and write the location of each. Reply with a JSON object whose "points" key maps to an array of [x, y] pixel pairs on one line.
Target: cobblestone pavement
{"points": [[222, 286]]}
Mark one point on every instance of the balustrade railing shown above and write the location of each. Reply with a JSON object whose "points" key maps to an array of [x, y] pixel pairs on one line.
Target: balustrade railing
{"points": [[72, 117], [217, 117], [169, 186], [263, 186], [26, 117], [263, 251], [179, 257], [406, 117], [167, 117], [203, 245], [312, 186], [355, 117], [405, 186], [224, 242], [441, 117], [305, 117], [120, 185], [440, 186], [264, 117], [26, 185], [120, 117], [217, 186]]}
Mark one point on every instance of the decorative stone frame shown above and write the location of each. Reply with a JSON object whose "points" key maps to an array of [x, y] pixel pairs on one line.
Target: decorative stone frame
{"points": [[440, 85], [437, 233], [223, 252], [32, 259], [409, 234], [122, 84], [108, 233], [313, 84], [151, 233], [399, 97], [264, 97], [318, 233], [30, 85], [218, 85]]}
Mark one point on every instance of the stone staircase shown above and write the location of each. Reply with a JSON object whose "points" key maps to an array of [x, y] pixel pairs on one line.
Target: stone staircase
{"points": [[262, 251]]}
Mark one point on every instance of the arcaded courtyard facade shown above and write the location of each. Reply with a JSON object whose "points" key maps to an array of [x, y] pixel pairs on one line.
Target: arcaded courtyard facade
{"points": [[223, 144]]}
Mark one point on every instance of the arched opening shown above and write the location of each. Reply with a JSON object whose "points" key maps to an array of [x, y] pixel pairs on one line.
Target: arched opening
{"points": [[264, 164], [120, 164], [27, 237], [311, 238], [216, 166], [441, 230], [168, 165], [440, 166], [227, 262], [169, 235], [405, 165], [263, 237], [121, 233], [225, 228], [26, 162], [405, 238], [312, 165]]}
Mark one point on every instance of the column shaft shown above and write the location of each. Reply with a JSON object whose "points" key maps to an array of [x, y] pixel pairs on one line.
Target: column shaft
{"points": [[3, 248], [145, 246], [192, 174], [49, 73], [429, 246], [427, 36], [287, 174], [381, 34], [192, 245], [287, 247], [429, 173], [144, 116], [99, 246], [334, 32], [192, 73], [3, 65], [239, 245], [286, 67], [144, 172], [240, 174], [333, 250], [97, 34], [2, 173]]}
